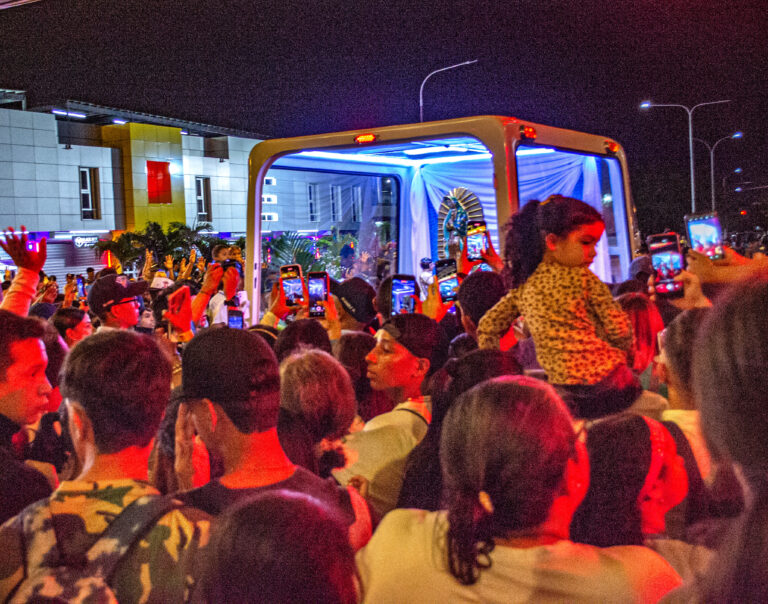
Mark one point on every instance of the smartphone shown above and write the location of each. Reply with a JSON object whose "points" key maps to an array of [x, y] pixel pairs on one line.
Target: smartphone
{"points": [[403, 292], [292, 284], [81, 287], [234, 318], [317, 284], [667, 261], [447, 279], [705, 235], [477, 240]]}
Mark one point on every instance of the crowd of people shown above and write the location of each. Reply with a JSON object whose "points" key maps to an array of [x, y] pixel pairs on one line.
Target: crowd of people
{"points": [[536, 440]]}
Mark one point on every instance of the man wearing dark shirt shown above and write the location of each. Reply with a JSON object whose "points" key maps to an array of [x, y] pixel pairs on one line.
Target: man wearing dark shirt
{"points": [[231, 385], [23, 399]]}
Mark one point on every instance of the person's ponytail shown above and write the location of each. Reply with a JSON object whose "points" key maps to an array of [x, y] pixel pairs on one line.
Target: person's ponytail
{"points": [[524, 246], [469, 538]]}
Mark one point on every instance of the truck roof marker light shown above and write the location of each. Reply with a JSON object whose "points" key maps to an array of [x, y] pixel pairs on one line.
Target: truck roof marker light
{"points": [[364, 139], [611, 147], [527, 132]]}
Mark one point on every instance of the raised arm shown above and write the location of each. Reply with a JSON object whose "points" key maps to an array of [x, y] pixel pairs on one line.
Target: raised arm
{"points": [[497, 321], [19, 296]]}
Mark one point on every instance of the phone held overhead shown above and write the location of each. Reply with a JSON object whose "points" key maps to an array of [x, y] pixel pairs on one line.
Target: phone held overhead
{"points": [[667, 261], [292, 283]]}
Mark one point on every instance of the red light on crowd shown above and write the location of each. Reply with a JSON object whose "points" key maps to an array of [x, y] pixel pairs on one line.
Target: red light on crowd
{"points": [[362, 139], [611, 146], [527, 132]]}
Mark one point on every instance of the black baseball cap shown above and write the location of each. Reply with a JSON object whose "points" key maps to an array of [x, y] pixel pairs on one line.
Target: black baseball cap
{"points": [[110, 289]]}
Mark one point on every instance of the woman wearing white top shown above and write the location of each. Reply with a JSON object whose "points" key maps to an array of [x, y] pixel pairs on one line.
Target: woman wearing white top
{"points": [[514, 473]]}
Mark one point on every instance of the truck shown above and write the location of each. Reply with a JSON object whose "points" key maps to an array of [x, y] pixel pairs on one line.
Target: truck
{"points": [[395, 197]]}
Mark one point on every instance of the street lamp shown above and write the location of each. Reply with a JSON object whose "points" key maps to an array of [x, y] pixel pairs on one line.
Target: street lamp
{"points": [[727, 176], [689, 111], [712, 148], [424, 81], [742, 189]]}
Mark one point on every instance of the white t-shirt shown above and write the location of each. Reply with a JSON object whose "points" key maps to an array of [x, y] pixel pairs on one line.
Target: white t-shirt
{"points": [[405, 561], [379, 452], [217, 310]]}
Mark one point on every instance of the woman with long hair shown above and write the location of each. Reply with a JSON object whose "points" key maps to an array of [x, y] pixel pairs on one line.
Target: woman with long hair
{"points": [[514, 473]]}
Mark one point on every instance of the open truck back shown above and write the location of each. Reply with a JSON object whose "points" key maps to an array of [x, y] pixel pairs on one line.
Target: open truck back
{"points": [[385, 193]]}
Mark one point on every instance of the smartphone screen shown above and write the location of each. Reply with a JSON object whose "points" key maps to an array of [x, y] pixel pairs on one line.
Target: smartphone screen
{"points": [[477, 235], [235, 318], [403, 292], [81, 287], [317, 284], [705, 235], [447, 278], [290, 279], [667, 261]]}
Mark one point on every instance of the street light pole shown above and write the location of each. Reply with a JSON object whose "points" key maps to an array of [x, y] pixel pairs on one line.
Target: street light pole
{"points": [[712, 159], [424, 81], [689, 111]]}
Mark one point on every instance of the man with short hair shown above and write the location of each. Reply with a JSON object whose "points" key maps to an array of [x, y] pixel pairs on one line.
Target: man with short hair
{"points": [[24, 391], [231, 382], [113, 299], [116, 385], [409, 348]]}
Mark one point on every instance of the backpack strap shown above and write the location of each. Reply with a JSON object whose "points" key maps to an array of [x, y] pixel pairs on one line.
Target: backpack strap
{"points": [[39, 538], [127, 528], [416, 413]]}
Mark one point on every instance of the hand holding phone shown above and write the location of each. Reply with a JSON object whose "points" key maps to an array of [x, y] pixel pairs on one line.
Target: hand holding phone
{"points": [[403, 297], [667, 261], [317, 286], [705, 235], [447, 278], [292, 284], [477, 240]]}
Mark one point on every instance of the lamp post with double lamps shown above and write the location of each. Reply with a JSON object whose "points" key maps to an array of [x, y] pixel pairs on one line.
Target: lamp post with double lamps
{"points": [[424, 81], [735, 135], [689, 111]]}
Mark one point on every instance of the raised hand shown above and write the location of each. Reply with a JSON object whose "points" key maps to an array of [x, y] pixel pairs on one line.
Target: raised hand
{"points": [[16, 247]]}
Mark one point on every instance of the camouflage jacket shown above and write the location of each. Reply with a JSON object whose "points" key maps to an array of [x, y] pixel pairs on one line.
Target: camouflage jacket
{"points": [[159, 568]]}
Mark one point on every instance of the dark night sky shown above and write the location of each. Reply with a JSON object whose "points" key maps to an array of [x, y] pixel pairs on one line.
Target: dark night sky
{"points": [[292, 68]]}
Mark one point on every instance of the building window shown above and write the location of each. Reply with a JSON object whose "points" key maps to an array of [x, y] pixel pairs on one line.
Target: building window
{"points": [[387, 191], [203, 198], [335, 202], [357, 204], [159, 182], [89, 194], [269, 217], [312, 202], [268, 199], [270, 181]]}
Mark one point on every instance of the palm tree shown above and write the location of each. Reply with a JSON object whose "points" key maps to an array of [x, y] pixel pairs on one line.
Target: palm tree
{"points": [[125, 248]]}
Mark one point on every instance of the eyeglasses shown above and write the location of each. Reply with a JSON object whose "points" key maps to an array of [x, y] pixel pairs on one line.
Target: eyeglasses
{"points": [[126, 301]]}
